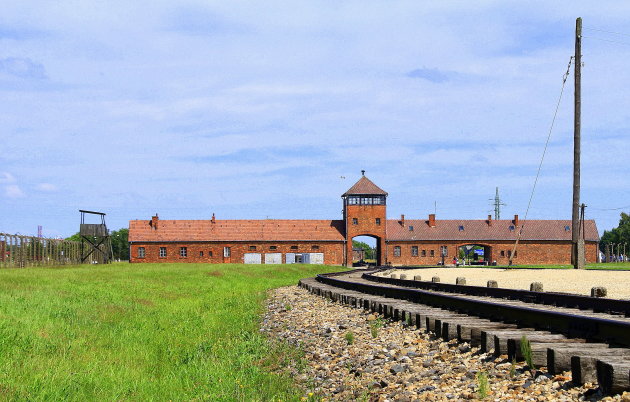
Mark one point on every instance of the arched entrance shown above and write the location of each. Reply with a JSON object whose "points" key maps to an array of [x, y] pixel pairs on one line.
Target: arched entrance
{"points": [[366, 250], [475, 254]]}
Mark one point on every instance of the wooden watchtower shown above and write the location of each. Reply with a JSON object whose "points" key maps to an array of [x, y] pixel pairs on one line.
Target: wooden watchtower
{"points": [[96, 244]]}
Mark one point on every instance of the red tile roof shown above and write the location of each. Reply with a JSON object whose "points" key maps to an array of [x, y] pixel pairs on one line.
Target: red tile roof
{"points": [[479, 230], [236, 230], [364, 186]]}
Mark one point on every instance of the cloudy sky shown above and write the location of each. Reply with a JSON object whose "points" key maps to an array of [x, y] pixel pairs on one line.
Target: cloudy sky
{"points": [[271, 109]]}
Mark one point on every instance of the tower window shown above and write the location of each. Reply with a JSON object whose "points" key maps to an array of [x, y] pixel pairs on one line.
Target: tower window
{"points": [[355, 221]]}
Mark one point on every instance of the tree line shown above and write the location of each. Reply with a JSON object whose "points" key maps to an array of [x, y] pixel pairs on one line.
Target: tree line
{"points": [[618, 235]]}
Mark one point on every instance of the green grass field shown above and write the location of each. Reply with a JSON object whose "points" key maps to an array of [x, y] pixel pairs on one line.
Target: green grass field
{"points": [[142, 332]]}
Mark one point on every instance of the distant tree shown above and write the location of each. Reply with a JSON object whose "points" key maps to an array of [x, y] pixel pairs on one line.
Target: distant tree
{"points": [[369, 251], [120, 244], [620, 234]]}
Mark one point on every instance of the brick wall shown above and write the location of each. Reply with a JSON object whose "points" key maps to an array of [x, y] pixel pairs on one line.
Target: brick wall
{"points": [[547, 252], [366, 224], [213, 251]]}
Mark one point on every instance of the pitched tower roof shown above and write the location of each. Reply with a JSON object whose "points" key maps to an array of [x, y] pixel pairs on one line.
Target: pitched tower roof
{"points": [[364, 186]]}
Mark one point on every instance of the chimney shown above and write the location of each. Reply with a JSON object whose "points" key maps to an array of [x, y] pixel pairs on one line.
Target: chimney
{"points": [[213, 220], [402, 220], [489, 220], [432, 220], [154, 221], [515, 221]]}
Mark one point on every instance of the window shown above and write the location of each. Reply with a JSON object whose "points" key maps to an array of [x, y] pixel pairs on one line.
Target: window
{"points": [[252, 248], [273, 247], [432, 253], [567, 228], [414, 251], [293, 247], [226, 252], [424, 253], [515, 254], [209, 253], [461, 228], [183, 251], [353, 200], [396, 251], [141, 252], [355, 221], [201, 254], [410, 228], [443, 251], [315, 247], [378, 221], [511, 228], [502, 253], [163, 252]]}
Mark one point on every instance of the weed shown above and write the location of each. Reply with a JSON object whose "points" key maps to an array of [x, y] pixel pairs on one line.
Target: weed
{"points": [[349, 337], [513, 368], [482, 384], [375, 326], [287, 307], [526, 351]]}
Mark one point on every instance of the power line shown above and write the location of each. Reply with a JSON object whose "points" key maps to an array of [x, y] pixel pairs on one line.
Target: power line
{"points": [[607, 40], [611, 209], [610, 32]]}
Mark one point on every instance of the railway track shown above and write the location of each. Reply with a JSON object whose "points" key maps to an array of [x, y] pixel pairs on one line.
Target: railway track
{"points": [[588, 336]]}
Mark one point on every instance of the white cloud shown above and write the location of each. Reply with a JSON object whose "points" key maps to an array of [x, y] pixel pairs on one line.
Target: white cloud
{"points": [[6, 177], [13, 191]]}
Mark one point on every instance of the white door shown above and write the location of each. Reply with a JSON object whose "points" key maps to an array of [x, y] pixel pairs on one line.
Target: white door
{"points": [[290, 258], [317, 258], [273, 258], [252, 258]]}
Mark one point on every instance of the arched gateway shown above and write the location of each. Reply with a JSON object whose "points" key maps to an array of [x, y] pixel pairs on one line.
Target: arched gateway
{"points": [[364, 214]]}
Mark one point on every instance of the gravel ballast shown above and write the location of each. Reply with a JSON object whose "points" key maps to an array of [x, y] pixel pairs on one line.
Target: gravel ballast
{"points": [[351, 354]]}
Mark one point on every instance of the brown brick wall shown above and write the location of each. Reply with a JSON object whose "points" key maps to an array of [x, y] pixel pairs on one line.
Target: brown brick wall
{"points": [[333, 251], [548, 252], [366, 216]]}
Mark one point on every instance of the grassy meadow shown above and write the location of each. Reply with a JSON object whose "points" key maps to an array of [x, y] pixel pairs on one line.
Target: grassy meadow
{"points": [[142, 332]]}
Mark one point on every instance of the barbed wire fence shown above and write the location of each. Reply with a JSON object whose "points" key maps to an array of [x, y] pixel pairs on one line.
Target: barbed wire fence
{"points": [[17, 251]]}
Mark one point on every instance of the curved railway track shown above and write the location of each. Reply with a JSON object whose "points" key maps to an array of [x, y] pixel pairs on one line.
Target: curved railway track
{"points": [[589, 336]]}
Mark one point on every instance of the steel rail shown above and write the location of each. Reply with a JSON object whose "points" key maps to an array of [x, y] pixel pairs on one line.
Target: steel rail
{"points": [[596, 304], [613, 332]]}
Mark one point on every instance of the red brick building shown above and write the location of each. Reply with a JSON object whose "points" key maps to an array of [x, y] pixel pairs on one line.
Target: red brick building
{"points": [[399, 242]]}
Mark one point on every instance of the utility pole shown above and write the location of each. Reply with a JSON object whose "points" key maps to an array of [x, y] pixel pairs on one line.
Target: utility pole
{"points": [[577, 254], [497, 205]]}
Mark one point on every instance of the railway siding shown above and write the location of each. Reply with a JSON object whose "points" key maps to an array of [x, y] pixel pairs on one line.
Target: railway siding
{"points": [[570, 339]]}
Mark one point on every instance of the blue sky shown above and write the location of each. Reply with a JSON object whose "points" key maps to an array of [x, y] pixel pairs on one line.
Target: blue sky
{"points": [[271, 109]]}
